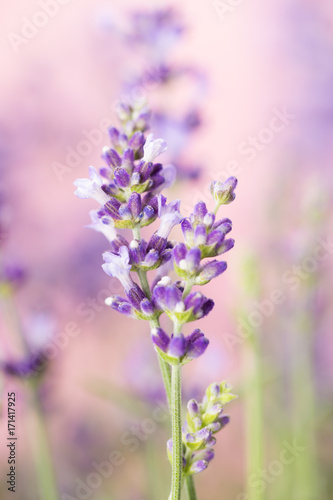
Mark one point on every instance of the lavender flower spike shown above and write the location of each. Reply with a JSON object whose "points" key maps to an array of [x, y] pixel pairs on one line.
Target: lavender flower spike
{"points": [[118, 266], [153, 148], [91, 188]]}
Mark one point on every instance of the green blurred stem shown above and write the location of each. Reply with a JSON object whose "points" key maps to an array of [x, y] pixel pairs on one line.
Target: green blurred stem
{"points": [[41, 450], [305, 471], [190, 488], [254, 416], [42, 453], [177, 445]]}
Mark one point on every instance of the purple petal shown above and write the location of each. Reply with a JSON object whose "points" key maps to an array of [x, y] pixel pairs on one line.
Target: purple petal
{"points": [[147, 307], [122, 177], [200, 211], [177, 346], [114, 136], [197, 348], [160, 339], [226, 245], [207, 307], [134, 204], [193, 258], [212, 270], [128, 160], [179, 252], [198, 466]]}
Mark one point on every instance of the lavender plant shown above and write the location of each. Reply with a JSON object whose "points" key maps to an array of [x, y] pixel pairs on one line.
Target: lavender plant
{"points": [[128, 191]]}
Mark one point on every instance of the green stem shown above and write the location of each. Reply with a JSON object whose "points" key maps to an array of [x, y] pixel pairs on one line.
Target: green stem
{"points": [[41, 450], [190, 488], [42, 454], [254, 417], [166, 376], [188, 288], [177, 446]]}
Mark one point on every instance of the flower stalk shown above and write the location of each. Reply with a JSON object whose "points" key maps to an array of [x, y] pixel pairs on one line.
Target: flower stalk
{"points": [[128, 191], [177, 448]]}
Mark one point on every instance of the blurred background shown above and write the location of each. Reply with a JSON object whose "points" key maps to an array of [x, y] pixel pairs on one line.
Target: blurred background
{"points": [[237, 88]]}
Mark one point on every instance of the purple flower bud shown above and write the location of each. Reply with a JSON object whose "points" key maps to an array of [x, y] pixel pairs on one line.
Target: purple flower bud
{"points": [[224, 420], [200, 235], [193, 408], [125, 213], [188, 232], [143, 120], [122, 177], [214, 427], [121, 305], [128, 160], [135, 295], [151, 258], [179, 252], [147, 307], [223, 192], [110, 189], [215, 238], [137, 140], [160, 338], [199, 211], [148, 215], [137, 251], [193, 258], [199, 303], [111, 157], [214, 390], [206, 455], [114, 136], [134, 204], [224, 225], [111, 208], [197, 467], [211, 271], [226, 246], [157, 243], [123, 141], [32, 365], [123, 111], [167, 297], [146, 170], [197, 343], [177, 346], [209, 220]]}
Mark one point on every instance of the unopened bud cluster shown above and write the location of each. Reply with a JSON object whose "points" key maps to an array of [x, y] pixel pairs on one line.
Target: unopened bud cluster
{"points": [[203, 421]]}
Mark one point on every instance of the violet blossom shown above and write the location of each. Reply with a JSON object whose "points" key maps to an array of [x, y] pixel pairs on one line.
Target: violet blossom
{"points": [[126, 191]]}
